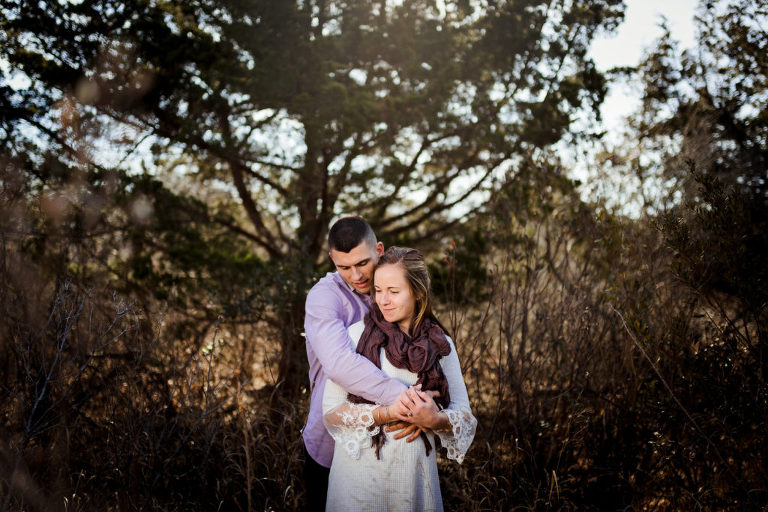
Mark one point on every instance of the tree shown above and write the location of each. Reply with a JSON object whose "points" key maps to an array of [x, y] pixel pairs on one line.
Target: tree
{"points": [[702, 131], [398, 111], [710, 100], [704, 114]]}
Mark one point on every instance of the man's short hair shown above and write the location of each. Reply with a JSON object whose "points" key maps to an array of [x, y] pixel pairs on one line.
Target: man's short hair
{"points": [[349, 232]]}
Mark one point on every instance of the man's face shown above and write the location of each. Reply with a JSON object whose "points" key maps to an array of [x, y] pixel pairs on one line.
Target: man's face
{"points": [[356, 266]]}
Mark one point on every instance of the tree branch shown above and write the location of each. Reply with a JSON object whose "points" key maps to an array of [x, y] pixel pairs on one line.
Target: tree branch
{"points": [[252, 211], [444, 206], [438, 186]]}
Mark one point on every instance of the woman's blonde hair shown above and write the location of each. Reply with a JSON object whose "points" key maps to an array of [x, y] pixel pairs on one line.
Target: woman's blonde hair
{"points": [[417, 276]]}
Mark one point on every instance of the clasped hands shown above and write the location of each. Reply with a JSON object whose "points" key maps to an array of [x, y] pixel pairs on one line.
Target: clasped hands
{"points": [[415, 411]]}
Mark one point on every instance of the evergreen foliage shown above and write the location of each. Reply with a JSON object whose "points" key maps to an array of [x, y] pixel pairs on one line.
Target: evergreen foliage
{"points": [[304, 110]]}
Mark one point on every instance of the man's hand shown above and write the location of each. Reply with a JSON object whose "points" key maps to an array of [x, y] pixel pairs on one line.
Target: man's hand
{"points": [[406, 429]]}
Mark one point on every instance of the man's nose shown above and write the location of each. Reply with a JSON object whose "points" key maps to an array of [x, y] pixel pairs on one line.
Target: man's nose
{"points": [[356, 274]]}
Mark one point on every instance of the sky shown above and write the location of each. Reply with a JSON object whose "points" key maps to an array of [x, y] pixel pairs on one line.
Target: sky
{"points": [[638, 32]]}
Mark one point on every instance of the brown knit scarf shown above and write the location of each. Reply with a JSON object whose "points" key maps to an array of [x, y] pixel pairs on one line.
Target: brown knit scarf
{"points": [[419, 354]]}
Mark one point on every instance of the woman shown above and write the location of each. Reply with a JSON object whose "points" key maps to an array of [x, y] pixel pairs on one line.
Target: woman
{"points": [[370, 469]]}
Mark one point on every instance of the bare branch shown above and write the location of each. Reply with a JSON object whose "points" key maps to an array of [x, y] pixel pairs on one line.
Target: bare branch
{"points": [[225, 154], [445, 206], [232, 226], [381, 203], [252, 210], [438, 186]]}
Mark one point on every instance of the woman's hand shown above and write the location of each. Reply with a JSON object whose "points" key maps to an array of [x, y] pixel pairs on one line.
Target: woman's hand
{"points": [[398, 411], [415, 412], [418, 407], [400, 422]]}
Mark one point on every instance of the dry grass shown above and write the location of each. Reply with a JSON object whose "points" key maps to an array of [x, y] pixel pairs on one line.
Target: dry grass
{"points": [[598, 381]]}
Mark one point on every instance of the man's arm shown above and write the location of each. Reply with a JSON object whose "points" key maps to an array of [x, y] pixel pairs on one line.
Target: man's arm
{"points": [[328, 337]]}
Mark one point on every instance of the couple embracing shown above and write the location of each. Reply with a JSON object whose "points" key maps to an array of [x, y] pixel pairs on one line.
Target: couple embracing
{"points": [[385, 381]]}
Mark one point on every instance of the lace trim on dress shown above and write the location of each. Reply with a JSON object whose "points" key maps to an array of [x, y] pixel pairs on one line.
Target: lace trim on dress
{"points": [[350, 426], [457, 441]]}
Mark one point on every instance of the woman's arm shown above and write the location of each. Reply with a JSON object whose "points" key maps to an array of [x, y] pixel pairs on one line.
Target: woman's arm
{"points": [[463, 424], [339, 413], [350, 424], [455, 425]]}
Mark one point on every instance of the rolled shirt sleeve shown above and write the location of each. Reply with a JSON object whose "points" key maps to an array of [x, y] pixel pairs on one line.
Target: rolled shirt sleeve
{"points": [[330, 341], [331, 307]]}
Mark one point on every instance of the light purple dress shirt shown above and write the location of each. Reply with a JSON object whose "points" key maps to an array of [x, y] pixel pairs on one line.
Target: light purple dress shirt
{"points": [[332, 306]]}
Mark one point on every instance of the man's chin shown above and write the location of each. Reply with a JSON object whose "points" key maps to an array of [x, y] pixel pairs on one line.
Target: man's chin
{"points": [[363, 289]]}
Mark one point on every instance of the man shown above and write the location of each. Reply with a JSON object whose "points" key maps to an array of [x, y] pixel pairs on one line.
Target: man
{"points": [[337, 301]]}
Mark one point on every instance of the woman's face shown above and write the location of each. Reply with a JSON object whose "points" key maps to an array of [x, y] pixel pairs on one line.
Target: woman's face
{"points": [[394, 296]]}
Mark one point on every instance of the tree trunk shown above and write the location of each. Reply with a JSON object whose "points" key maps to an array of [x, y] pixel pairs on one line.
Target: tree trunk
{"points": [[292, 366], [292, 371]]}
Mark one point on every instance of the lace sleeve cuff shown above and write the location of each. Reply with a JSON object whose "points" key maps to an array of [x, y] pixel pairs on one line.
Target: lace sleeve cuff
{"points": [[351, 426], [458, 439]]}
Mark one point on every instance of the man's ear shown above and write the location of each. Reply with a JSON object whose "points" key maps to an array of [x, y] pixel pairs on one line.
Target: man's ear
{"points": [[380, 248], [331, 256]]}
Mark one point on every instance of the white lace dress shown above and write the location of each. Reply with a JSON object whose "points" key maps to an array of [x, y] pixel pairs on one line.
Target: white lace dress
{"points": [[405, 479]]}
